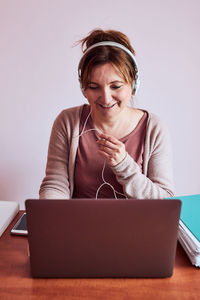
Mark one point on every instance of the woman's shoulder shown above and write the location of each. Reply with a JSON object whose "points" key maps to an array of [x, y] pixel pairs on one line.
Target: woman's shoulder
{"points": [[69, 115], [154, 121], [68, 119], [157, 129], [71, 111]]}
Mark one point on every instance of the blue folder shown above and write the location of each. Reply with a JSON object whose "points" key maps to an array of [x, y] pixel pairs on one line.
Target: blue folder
{"points": [[190, 213]]}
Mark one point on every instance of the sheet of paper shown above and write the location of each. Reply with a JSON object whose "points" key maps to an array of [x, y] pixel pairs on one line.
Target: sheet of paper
{"points": [[8, 211]]}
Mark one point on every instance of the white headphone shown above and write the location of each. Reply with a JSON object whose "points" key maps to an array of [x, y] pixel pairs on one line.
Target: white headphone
{"points": [[136, 82]]}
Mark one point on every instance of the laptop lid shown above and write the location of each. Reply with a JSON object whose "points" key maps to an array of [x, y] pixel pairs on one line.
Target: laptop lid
{"points": [[102, 238]]}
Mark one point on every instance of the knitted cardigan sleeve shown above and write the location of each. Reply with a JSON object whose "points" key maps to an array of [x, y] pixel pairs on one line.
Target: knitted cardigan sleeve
{"points": [[156, 180], [58, 181]]}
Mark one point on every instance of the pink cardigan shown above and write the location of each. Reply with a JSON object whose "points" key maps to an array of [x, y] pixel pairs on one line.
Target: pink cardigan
{"points": [[156, 181]]}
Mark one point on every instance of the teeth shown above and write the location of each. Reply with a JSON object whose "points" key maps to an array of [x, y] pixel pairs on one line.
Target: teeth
{"points": [[107, 106]]}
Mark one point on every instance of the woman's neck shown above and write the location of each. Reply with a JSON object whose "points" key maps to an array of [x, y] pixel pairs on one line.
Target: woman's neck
{"points": [[117, 126]]}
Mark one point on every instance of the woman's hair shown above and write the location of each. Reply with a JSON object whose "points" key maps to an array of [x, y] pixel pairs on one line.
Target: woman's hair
{"points": [[104, 54]]}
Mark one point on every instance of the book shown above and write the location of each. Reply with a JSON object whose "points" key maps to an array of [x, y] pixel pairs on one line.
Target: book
{"points": [[189, 227], [8, 210]]}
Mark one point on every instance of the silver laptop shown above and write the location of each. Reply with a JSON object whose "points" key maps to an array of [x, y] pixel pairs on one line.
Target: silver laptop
{"points": [[87, 238]]}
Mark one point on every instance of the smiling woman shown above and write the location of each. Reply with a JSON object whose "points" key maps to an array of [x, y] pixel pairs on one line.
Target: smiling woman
{"points": [[108, 149]]}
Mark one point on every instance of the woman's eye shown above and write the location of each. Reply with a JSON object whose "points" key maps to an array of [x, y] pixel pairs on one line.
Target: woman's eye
{"points": [[115, 87], [93, 87]]}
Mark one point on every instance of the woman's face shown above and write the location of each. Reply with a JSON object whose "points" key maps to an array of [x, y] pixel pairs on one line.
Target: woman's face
{"points": [[107, 92]]}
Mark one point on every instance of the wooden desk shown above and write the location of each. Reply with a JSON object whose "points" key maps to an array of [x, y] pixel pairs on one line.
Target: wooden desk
{"points": [[16, 283]]}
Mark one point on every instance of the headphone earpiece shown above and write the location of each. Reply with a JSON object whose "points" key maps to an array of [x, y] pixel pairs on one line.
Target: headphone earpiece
{"points": [[83, 92], [133, 87], [81, 87]]}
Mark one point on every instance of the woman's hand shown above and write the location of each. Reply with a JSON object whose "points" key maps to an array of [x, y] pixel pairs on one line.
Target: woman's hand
{"points": [[111, 149]]}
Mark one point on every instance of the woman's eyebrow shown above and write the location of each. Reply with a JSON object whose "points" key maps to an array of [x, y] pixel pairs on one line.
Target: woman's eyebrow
{"points": [[92, 82], [114, 81], [117, 81]]}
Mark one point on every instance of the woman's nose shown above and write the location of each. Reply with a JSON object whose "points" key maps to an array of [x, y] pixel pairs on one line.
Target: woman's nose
{"points": [[106, 96]]}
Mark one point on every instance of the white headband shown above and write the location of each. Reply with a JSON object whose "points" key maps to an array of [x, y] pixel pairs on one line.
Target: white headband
{"points": [[118, 45]]}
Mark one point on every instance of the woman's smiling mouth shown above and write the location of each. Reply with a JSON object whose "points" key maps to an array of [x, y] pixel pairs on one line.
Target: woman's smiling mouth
{"points": [[104, 106]]}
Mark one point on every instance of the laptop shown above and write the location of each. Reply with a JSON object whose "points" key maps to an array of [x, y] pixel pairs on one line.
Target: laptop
{"points": [[87, 238]]}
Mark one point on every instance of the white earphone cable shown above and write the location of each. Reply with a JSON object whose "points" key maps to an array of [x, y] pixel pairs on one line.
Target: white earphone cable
{"points": [[107, 183], [83, 131]]}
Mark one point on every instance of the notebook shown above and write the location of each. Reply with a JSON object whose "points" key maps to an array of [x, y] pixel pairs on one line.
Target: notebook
{"points": [[8, 210], [86, 238]]}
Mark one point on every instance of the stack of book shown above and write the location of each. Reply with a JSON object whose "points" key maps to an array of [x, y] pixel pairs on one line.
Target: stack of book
{"points": [[8, 211], [189, 227]]}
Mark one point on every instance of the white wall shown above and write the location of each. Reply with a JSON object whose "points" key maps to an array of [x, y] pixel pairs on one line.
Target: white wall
{"points": [[38, 78]]}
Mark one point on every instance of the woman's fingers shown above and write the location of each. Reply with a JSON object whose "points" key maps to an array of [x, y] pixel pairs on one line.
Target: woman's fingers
{"points": [[111, 149]]}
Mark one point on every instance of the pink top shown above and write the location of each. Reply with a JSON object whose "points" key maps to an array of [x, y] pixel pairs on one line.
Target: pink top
{"points": [[89, 164]]}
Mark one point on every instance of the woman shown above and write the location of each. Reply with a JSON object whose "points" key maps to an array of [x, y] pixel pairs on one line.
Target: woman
{"points": [[108, 149]]}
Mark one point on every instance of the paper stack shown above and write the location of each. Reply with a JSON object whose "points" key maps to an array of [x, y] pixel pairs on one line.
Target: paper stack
{"points": [[189, 227], [8, 211]]}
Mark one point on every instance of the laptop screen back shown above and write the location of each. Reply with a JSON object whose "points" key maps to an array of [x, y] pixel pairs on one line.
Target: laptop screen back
{"points": [[102, 238]]}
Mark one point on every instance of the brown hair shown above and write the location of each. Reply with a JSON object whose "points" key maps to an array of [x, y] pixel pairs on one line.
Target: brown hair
{"points": [[101, 55]]}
